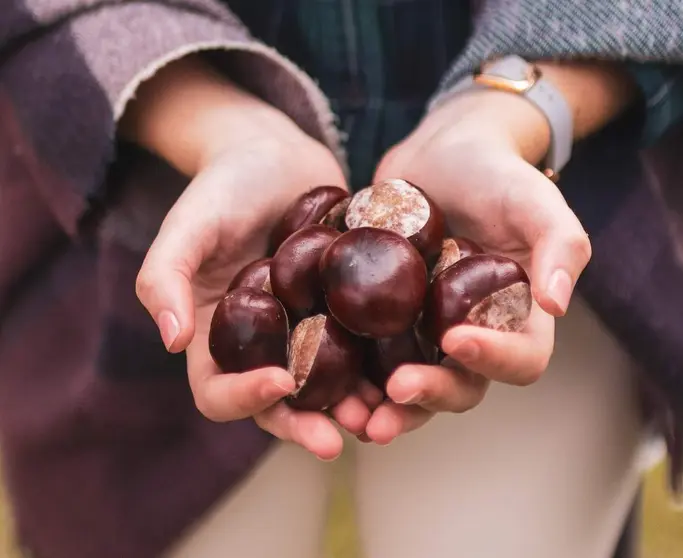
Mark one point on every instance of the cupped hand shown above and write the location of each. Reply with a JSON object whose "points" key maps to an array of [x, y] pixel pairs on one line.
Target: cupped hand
{"points": [[470, 160], [245, 179]]}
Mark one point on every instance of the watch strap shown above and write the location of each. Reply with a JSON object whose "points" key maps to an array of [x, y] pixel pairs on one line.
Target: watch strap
{"points": [[516, 75]]}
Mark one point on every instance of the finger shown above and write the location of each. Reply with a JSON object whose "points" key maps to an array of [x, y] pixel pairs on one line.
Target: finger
{"points": [[371, 395], [559, 258], [313, 431], [390, 420], [395, 161], [352, 414], [512, 358], [164, 283], [437, 388], [228, 397], [560, 246]]}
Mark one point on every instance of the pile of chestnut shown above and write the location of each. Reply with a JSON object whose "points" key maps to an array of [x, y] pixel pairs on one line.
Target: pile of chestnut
{"points": [[357, 285]]}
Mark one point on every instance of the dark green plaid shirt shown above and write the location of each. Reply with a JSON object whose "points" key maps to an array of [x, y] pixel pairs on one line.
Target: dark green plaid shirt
{"points": [[379, 62]]}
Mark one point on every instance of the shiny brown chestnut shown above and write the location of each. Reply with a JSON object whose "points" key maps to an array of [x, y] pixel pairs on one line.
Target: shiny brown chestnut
{"points": [[388, 353], [485, 290], [294, 271], [374, 281], [324, 205], [401, 207], [255, 274], [325, 361], [249, 329], [454, 249]]}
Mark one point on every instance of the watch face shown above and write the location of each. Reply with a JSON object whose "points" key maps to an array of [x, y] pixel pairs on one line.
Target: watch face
{"points": [[508, 75]]}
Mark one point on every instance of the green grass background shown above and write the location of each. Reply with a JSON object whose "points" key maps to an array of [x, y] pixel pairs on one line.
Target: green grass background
{"points": [[662, 525]]}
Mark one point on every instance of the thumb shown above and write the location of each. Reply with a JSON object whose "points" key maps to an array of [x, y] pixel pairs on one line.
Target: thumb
{"points": [[164, 283], [395, 162], [561, 249], [560, 246], [558, 260]]}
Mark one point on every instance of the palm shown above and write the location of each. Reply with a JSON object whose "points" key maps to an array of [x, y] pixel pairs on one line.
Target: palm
{"points": [[499, 234], [239, 229], [483, 190], [210, 285], [491, 195], [220, 223]]}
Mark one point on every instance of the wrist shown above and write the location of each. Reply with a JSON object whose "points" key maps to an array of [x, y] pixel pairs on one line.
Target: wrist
{"points": [[188, 113], [499, 120], [245, 125], [595, 94]]}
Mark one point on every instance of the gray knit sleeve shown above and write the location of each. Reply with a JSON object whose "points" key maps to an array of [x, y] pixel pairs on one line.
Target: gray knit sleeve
{"points": [[630, 30]]}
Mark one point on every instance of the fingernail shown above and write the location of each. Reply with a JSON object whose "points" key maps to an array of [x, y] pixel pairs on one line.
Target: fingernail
{"points": [[280, 386], [560, 289], [274, 391], [413, 399], [411, 382], [467, 351], [168, 327]]}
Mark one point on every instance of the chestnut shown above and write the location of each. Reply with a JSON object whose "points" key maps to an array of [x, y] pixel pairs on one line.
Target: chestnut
{"points": [[322, 205], [403, 208], [374, 281], [454, 249], [388, 353], [294, 270], [249, 329], [255, 274], [325, 361], [485, 290]]}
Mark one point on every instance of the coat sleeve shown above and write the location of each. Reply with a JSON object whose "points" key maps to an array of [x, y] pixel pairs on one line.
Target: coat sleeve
{"points": [[647, 35], [69, 67]]}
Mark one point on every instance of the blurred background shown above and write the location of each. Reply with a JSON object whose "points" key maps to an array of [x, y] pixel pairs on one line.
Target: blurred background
{"points": [[662, 535]]}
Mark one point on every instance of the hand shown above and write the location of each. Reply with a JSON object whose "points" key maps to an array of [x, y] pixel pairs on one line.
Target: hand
{"points": [[247, 160], [468, 159]]}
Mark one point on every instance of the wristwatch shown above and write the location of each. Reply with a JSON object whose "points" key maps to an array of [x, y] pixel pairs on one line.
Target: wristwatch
{"points": [[515, 75]]}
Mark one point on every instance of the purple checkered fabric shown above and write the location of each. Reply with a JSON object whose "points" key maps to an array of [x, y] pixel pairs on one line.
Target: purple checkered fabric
{"points": [[104, 453]]}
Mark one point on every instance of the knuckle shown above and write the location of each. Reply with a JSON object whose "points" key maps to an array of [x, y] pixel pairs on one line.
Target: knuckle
{"points": [[472, 396], [460, 407], [450, 403], [262, 421], [454, 405], [144, 284], [433, 395], [393, 161], [444, 396], [480, 386], [240, 410], [393, 156], [527, 377], [269, 416], [580, 245], [533, 373], [206, 407], [274, 420]]}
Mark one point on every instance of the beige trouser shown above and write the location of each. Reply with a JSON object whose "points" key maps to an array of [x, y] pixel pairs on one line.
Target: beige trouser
{"points": [[547, 471]]}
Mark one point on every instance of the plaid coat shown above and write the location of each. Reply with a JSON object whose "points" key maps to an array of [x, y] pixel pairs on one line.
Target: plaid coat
{"points": [[97, 424]]}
